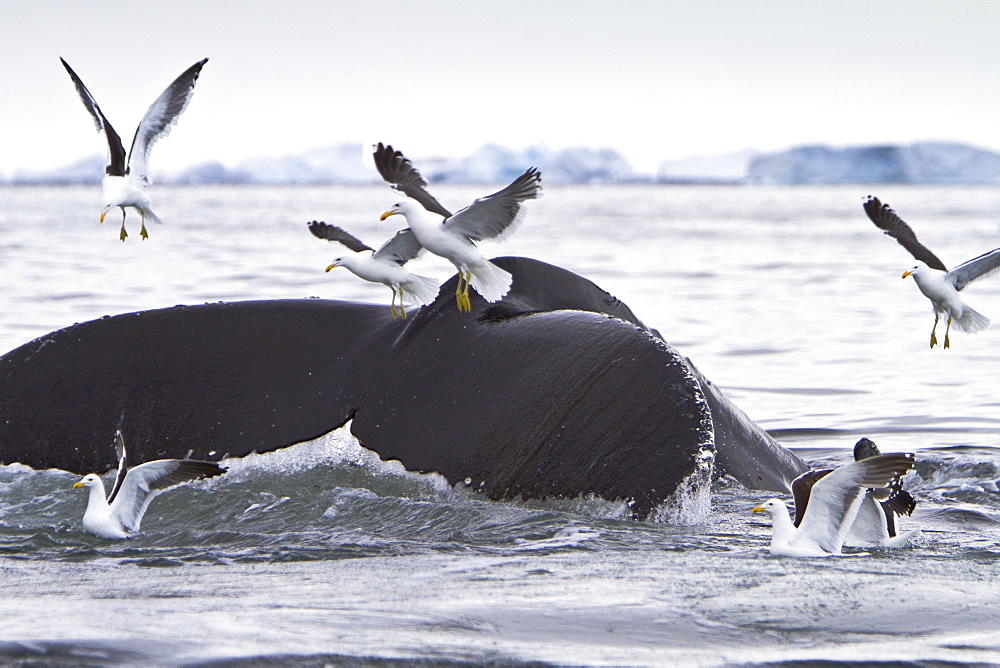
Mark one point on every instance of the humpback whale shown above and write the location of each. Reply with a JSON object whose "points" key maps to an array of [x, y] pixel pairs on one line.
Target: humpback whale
{"points": [[557, 390]]}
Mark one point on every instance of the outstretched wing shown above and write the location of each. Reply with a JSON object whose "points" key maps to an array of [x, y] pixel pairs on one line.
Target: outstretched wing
{"points": [[160, 116], [890, 223], [144, 482], [837, 497], [116, 152], [498, 215], [900, 503], [400, 173], [401, 248], [892, 500], [978, 267], [334, 233], [122, 465]]}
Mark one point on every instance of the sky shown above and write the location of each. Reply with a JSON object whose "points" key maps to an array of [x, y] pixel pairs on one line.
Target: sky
{"points": [[657, 80]]}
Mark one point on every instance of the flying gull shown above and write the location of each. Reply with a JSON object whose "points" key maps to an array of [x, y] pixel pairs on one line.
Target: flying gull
{"points": [[875, 524], [833, 506], [933, 278], [384, 265], [125, 180], [119, 515], [453, 236]]}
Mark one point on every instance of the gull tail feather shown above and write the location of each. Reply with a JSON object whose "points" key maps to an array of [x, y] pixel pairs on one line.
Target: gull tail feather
{"points": [[971, 321], [149, 216], [900, 541], [420, 290], [490, 281]]}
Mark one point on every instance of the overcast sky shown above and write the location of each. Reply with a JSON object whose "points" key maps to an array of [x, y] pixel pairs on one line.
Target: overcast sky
{"points": [[654, 80]]}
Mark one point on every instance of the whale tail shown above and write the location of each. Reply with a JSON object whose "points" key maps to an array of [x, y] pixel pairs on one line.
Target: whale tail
{"points": [[420, 290], [490, 281], [971, 321]]}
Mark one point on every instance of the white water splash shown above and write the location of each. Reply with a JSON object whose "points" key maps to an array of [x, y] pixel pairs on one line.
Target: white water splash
{"points": [[692, 502]]}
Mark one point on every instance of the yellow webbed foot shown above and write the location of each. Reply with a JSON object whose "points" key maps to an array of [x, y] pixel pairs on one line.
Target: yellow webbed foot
{"points": [[947, 341], [934, 340], [465, 293], [143, 233], [123, 234]]}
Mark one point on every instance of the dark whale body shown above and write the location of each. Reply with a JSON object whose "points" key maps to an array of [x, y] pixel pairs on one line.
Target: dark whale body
{"points": [[558, 390]]}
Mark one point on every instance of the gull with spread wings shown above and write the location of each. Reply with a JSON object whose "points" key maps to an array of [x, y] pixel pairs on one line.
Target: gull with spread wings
{"points": [[119, 515], [834, 502], [875, 524], [932, 276], [125, 180], [384, 265], [453, 236]]}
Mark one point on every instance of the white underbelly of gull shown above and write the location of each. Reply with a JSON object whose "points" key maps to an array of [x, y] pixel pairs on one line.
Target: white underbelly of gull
{"points": [[120, 514], [125, 180], [833, 506]]}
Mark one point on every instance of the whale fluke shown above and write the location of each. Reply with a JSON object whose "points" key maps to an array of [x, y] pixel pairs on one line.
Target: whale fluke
{"points": [[557, 390]]}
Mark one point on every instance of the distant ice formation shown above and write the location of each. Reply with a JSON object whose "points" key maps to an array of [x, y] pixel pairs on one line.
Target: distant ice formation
{"points": [[349, 164]]}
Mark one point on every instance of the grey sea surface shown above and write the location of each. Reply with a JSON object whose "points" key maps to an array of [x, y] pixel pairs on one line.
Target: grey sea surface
{"points": [[787, 298]]}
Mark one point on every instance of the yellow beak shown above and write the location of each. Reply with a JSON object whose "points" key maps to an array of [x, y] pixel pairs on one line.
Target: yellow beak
{"points": [[332, 266], [905, 274], [386, 215], [102, 217], [758, 509], [77, 484]]}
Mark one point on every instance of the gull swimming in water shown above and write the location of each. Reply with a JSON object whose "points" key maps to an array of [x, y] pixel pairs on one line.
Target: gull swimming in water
{"points": [[124, 181], [120, 514], [453, 236], [875, 524], [384, 265], [933, 278], [834, 503]]}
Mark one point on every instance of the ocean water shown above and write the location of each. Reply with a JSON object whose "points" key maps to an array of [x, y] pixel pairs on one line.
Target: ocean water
{"points": [[787, 298]]}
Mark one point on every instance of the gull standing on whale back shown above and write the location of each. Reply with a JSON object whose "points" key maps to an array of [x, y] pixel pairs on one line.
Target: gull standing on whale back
{"points": [[120, 514], [125, 180], [834, 503], [933, 278], [384, 265], [453, 237]]}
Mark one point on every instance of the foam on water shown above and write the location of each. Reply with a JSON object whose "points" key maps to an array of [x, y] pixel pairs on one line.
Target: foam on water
{"points": [[692, 502]]}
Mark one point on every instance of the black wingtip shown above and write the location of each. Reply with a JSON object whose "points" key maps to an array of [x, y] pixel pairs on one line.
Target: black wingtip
{"points": [[872, 205], [900, 503], [317, 227], [200, 469], [68, 69]]}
